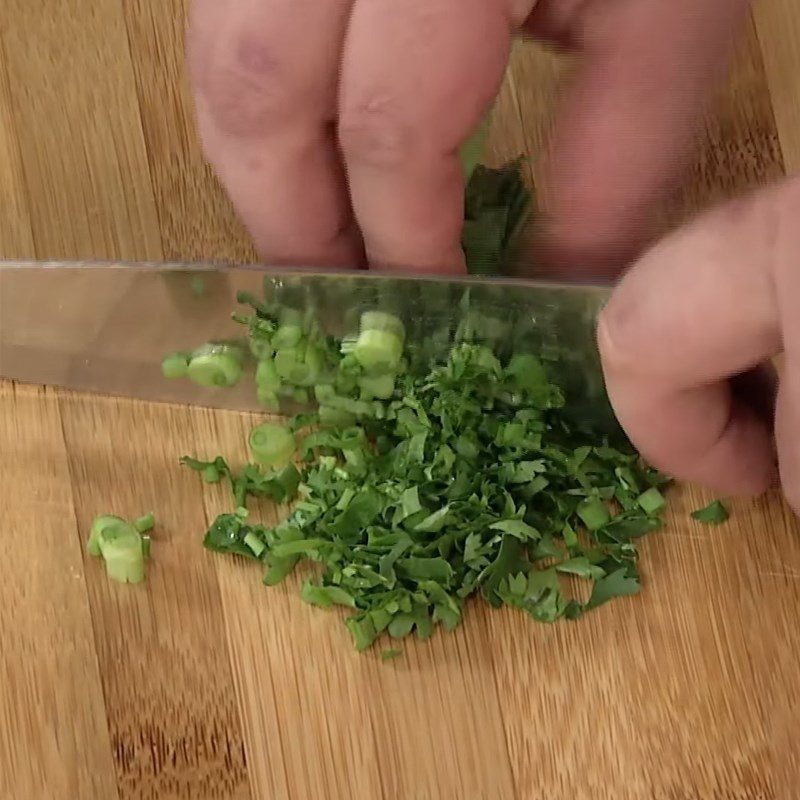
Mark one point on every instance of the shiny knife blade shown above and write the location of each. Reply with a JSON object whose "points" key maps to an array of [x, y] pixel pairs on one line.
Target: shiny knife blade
{"points": [[105, 327]]}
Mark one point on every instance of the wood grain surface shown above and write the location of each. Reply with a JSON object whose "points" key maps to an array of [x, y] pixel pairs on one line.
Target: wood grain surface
{"points": [[204, 684]]}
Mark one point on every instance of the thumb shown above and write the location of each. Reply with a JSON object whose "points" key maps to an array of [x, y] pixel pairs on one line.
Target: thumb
{"points": [[709, 303]]}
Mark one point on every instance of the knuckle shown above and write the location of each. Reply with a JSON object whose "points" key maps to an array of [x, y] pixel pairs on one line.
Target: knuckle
{"points": [[374, 131], [246, 84]]}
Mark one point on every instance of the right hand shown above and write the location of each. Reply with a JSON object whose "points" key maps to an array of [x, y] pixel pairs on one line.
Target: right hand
{"points": [[712, 301]]}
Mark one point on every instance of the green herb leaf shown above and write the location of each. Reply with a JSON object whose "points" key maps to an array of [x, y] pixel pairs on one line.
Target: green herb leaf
{"points": [[326, 595], [516, 527], [617, 584], [713, 514]]}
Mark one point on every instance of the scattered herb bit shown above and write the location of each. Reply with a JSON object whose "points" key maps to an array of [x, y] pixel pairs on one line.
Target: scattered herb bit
{"points": [[620, 583], [713, 514], [121, 545], [145, 523], [593, 513], [389, 654], [252, 481], [326, 595], [175, 366]]}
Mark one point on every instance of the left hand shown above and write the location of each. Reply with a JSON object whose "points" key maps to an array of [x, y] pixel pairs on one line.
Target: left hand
{"points": [[335, 124]]}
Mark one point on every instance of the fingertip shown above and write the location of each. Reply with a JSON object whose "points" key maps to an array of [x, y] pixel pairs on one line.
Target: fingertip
{"points": [[452, 264]]}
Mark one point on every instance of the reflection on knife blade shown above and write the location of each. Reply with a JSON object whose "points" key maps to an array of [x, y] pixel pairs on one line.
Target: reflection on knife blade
{"points": [[106, 328]]}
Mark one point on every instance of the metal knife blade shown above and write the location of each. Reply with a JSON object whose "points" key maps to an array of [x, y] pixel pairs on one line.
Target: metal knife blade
{"points": [[105, 327]]}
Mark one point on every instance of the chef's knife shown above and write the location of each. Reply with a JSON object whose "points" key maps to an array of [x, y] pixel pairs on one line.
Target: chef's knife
{"points": [[105, 327]]}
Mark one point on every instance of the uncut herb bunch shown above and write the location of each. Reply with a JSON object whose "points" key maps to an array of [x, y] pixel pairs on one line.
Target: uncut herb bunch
{"points": [[465, 480]]}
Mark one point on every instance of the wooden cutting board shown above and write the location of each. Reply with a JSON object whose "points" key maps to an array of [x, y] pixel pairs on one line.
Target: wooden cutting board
{"points": [[204, 684]]}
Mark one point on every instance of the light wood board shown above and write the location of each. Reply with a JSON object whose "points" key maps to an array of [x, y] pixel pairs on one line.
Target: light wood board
{"points": [[204, 684]]}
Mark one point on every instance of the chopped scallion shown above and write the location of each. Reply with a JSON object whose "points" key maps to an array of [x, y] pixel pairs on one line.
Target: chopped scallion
{"points": [[216, 365], [145, 523], [271, 445]]}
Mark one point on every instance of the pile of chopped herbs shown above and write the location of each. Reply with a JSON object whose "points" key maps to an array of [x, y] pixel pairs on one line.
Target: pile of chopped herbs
{"points": [[414, 489]]}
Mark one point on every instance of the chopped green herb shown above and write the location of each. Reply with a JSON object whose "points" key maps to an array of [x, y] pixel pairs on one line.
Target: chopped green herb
{"points": [[411, 511], [215, 365], [594, 513], [389, 654], [423, 481], [652, 501], [713, 514], [99, 526], [326, 595], [617, 584], [253, 541], [497, 206]]}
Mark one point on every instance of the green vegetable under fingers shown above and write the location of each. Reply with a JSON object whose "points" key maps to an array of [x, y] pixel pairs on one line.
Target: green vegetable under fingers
{"points": [[713, 514], [471, 151], [497, 206]]}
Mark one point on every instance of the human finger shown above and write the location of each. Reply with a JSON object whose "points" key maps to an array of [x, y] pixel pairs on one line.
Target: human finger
{"points": [[417, 77], [624, 135], [265, 74]]}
